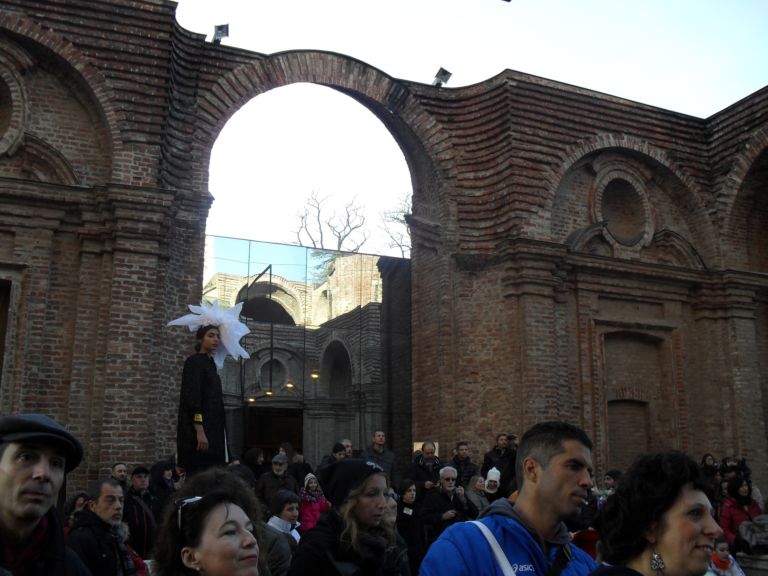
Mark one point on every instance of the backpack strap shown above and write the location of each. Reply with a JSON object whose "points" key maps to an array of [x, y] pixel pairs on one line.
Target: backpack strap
{"points": [[498, 553]]}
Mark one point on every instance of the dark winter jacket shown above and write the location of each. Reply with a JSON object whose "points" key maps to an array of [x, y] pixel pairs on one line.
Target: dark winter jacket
{"points": [[421, 472], [411, 527], [99, 546], [44, 553], [438, 503], [137, 513], [321, 553], [269, 483], [465, 470], [200, 394], [385, 459]]}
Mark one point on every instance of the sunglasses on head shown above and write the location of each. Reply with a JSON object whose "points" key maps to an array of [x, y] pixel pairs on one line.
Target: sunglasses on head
{"points": [[181, 503]]}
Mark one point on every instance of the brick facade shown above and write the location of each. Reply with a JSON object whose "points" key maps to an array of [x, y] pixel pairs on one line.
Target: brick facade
{"points": [[575, 255]]}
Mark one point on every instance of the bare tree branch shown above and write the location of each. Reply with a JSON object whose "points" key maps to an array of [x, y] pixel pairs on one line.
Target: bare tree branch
{"points": [[396, 227], [347, 229]]}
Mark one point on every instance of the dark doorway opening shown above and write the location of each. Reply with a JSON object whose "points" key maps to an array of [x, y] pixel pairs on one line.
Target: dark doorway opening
{"points": [[268, 427]]}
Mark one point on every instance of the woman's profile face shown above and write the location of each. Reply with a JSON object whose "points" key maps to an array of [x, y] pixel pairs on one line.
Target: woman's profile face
{"points": [[724, 487], [686, 535], [480, 484], [372, 502], [227, 545]]}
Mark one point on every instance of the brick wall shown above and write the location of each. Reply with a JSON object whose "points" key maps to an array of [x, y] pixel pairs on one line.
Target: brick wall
{"points": [[517, 276]]}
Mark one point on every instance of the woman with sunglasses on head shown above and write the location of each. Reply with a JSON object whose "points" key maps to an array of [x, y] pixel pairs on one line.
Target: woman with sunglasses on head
{"points": [[212, 528], [353, 537]]}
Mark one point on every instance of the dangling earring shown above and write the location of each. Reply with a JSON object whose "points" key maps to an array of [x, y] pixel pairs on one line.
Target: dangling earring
{"points": [[657, 562]]}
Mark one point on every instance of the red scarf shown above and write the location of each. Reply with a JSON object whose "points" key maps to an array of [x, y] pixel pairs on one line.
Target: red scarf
{"points": [[721, 564], [16, 558]]}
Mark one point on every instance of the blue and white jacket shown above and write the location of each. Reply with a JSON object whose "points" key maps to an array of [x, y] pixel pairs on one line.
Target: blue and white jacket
{"points": [[462, 550]]}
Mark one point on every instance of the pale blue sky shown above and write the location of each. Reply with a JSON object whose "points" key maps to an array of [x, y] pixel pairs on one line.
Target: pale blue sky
{"points": [[691, 56]]}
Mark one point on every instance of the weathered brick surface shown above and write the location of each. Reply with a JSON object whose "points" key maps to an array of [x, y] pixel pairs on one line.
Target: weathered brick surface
{"points": [[524, 303]]}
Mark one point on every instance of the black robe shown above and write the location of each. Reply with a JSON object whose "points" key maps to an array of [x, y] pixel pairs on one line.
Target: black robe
{"points": [[201, 394]]}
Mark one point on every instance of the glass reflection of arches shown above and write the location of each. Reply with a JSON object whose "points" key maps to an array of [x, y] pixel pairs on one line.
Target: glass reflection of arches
{"points": [[279, 373], [336, 370], [263, 302]]}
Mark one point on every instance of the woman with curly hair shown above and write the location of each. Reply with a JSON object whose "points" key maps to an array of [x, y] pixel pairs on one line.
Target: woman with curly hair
{"points": [[659, 521], [213, 528], [352, 538]]}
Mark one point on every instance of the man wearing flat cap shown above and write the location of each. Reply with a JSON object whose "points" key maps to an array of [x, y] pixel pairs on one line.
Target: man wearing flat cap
{"points": [[273, 480], [35, 454]]}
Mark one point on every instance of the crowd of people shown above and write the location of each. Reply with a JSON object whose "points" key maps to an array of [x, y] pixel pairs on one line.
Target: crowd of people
{"points": [[534, 506], [531, 505]]}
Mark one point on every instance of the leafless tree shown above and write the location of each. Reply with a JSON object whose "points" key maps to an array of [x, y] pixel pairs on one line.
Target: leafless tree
{"points": [[395, 225], [345, 230]]}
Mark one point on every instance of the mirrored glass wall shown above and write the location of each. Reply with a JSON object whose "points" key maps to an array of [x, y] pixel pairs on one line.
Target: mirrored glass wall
{"points": [[329, 344]]}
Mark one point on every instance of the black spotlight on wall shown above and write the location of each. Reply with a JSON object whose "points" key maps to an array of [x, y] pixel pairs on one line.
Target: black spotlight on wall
{"points": [[219, 32], [441, 77]]}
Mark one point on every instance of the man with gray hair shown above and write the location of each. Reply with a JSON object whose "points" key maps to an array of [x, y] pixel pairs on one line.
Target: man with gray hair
{"points": [[36, 453], [446, 506], [554, 465]]}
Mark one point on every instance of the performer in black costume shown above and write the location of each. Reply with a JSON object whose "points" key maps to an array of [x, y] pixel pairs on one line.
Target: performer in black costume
{"points": [[201, 431], [201, 435]]}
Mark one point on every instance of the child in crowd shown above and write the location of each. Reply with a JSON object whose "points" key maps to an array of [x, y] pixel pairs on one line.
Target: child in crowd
{"points": [[313, 503], [722, 563]]}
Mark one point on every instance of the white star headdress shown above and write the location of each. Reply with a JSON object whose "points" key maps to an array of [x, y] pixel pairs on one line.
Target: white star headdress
{"points": [[227, 320]]}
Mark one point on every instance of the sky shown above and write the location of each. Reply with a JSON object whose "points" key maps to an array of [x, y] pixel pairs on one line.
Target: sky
{"points": [[691, 56]]}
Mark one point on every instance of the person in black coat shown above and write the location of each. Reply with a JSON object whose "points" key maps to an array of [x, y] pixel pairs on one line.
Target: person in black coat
{"points": [[446, 506], [410, 525], [95, 536], [425, 471], [201, 437]]}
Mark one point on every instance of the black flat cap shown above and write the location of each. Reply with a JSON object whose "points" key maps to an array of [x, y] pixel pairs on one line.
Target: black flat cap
{"points": [[31, 427]]}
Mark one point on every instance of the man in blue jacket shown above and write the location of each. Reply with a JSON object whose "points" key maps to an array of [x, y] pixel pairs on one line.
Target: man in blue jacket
{"points": [[554, 465]]}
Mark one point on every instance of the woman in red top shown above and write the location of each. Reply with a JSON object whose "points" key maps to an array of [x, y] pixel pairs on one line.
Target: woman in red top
{"points": [[738, 507]]}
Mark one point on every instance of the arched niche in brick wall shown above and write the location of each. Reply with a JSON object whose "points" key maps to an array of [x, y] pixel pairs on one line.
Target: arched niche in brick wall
{"points": [[335, 372], [53, 68], [747, 230], [621, 198], [638, 375]]}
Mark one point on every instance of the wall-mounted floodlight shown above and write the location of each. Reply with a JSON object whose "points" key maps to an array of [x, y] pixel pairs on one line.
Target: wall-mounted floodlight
{"points": [[219, 32], [441, 77]]}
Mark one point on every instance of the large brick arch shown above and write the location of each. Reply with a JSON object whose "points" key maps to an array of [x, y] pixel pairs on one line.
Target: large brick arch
{"points": [[738, 193], [88, 76], [389, 99], [657, 160]]}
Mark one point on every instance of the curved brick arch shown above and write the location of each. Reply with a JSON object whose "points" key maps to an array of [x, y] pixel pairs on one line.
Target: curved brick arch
{"points": [[334, 347], [581, 149], [90, 76], [734, 188], [412, 127]]}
